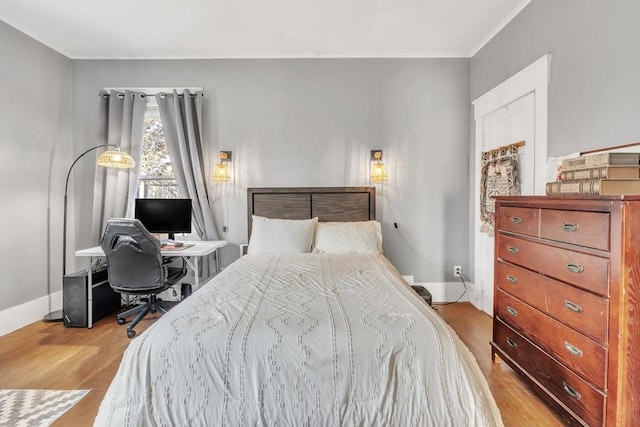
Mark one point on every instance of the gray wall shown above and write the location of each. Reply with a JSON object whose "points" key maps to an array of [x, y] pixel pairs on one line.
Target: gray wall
{"points": [[35, 147], [594, 95], [313, 123], [288, 122]]}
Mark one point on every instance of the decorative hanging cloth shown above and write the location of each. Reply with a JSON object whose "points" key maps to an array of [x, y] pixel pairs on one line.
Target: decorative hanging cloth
{"points": [[500, 177]]}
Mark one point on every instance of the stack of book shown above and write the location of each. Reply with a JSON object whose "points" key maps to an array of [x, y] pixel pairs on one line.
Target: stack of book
{"points": [[602, 173]]}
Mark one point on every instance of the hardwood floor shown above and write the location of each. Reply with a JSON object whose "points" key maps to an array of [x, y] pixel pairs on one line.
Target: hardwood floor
{"points": [[50, 356], [518, 404]]}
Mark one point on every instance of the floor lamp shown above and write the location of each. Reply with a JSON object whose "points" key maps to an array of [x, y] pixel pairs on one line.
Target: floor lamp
{"points": [[111, 159]]}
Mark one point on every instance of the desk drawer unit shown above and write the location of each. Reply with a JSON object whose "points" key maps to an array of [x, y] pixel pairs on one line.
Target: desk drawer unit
{"points": [[567, 298]]}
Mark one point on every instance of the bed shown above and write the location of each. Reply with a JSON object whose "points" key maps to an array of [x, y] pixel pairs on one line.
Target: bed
{"points": [[332, 336]]}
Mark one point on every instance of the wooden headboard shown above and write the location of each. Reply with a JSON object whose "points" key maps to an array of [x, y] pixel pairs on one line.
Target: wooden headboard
{"points": [[327, 203]]}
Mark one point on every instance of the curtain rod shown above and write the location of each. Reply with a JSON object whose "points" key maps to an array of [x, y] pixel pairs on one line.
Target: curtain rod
{"points": [[152, 91], [143, 95]]}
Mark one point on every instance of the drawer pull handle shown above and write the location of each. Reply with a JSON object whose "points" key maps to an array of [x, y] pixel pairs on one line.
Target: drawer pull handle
{"points": [[573, 349], [512, 279], [512, 249], [571, 391], [567, 226], [573, 306], [574, 268], [511, 343], [516, 220], [512, 311]]}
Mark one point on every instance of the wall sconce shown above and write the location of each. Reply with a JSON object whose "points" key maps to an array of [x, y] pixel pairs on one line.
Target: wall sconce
{"points": [[378, 171], [221, 173]]}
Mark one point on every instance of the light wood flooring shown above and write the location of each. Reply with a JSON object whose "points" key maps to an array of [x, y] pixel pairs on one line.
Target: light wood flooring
{"points": [[50, 356]]}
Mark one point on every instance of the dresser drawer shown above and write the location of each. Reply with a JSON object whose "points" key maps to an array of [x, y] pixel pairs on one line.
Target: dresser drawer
{"points": [[580, 273], [519, 220], [583, 355], [581, 310], [574, 393], [583, 270], [589, 229]]}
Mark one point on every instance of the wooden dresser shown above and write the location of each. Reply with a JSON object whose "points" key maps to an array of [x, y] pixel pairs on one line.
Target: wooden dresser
{"points": [[567, 302]]}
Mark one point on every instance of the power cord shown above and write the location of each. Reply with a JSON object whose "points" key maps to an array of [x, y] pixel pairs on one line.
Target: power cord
{"points": [[461, 295], [410, 246], [225, 212]]}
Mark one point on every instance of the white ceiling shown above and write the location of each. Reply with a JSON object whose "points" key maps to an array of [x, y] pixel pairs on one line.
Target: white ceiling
{"points": [[176, 29]]}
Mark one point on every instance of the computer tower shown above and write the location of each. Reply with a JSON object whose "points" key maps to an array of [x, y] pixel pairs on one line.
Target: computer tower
{"points": [[81, 306]]}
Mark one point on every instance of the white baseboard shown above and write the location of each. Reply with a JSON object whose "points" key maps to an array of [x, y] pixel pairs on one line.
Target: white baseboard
{"points": [[16, 317], [448, 291], [408, 279]]}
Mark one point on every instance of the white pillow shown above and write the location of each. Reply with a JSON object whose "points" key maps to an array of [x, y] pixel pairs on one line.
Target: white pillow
{"points": [[364, 237], [269, 236]]}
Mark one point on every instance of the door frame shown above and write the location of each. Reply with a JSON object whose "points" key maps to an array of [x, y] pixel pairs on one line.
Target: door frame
{"points": [[533, 79]]}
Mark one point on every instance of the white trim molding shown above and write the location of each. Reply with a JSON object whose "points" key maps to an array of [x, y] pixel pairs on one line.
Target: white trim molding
{"points": [[525, 81], [533, 79], [16, 317], [500, 26]]}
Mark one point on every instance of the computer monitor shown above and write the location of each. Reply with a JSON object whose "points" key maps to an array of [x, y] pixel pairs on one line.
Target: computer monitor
{"points": [[164, 215]]}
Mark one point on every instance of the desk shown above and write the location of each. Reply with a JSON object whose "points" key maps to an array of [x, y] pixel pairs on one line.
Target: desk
{"points": [[191, 255]]}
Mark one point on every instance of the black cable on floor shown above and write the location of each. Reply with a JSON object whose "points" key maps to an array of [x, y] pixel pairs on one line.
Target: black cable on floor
{"points": [[460, 297]]}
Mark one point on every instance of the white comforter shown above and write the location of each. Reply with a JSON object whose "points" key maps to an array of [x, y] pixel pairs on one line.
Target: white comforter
{"points": [[294, 340]]}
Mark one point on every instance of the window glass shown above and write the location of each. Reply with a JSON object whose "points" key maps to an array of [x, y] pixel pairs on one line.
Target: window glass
{"points": [[156, 180]]}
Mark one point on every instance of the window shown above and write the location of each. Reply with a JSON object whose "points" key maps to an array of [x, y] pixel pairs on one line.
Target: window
{"points": [[156, 180]]}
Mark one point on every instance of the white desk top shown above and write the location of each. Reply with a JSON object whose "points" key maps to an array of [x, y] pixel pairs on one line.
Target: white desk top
{"points": [[199, 248]]}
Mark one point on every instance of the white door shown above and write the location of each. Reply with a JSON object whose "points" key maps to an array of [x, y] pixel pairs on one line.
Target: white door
{"points": [[515, 110], [510, 124]]}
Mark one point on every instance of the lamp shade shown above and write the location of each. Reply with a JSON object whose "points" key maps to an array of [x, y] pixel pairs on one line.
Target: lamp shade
{"points": [[221, 173], [378, 172], [116, 159]]}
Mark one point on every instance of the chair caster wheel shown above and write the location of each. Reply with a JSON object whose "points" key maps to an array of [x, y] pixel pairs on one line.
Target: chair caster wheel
{"points": [[122, 321], [185, 290], [131, 333]]}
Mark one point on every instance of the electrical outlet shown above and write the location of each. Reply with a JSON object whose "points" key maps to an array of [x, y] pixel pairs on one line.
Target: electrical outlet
{"points": [[457, 270]]}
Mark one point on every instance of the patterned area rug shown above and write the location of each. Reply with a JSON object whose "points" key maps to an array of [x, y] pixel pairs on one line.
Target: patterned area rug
{"points": [[32, 408]]}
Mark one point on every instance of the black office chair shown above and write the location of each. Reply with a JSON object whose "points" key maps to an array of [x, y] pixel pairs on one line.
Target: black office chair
{"points": [[135, 266]]}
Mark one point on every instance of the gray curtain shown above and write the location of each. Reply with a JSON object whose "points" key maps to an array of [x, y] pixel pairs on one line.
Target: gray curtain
{"points": [[181, 116], [121, 123]]}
